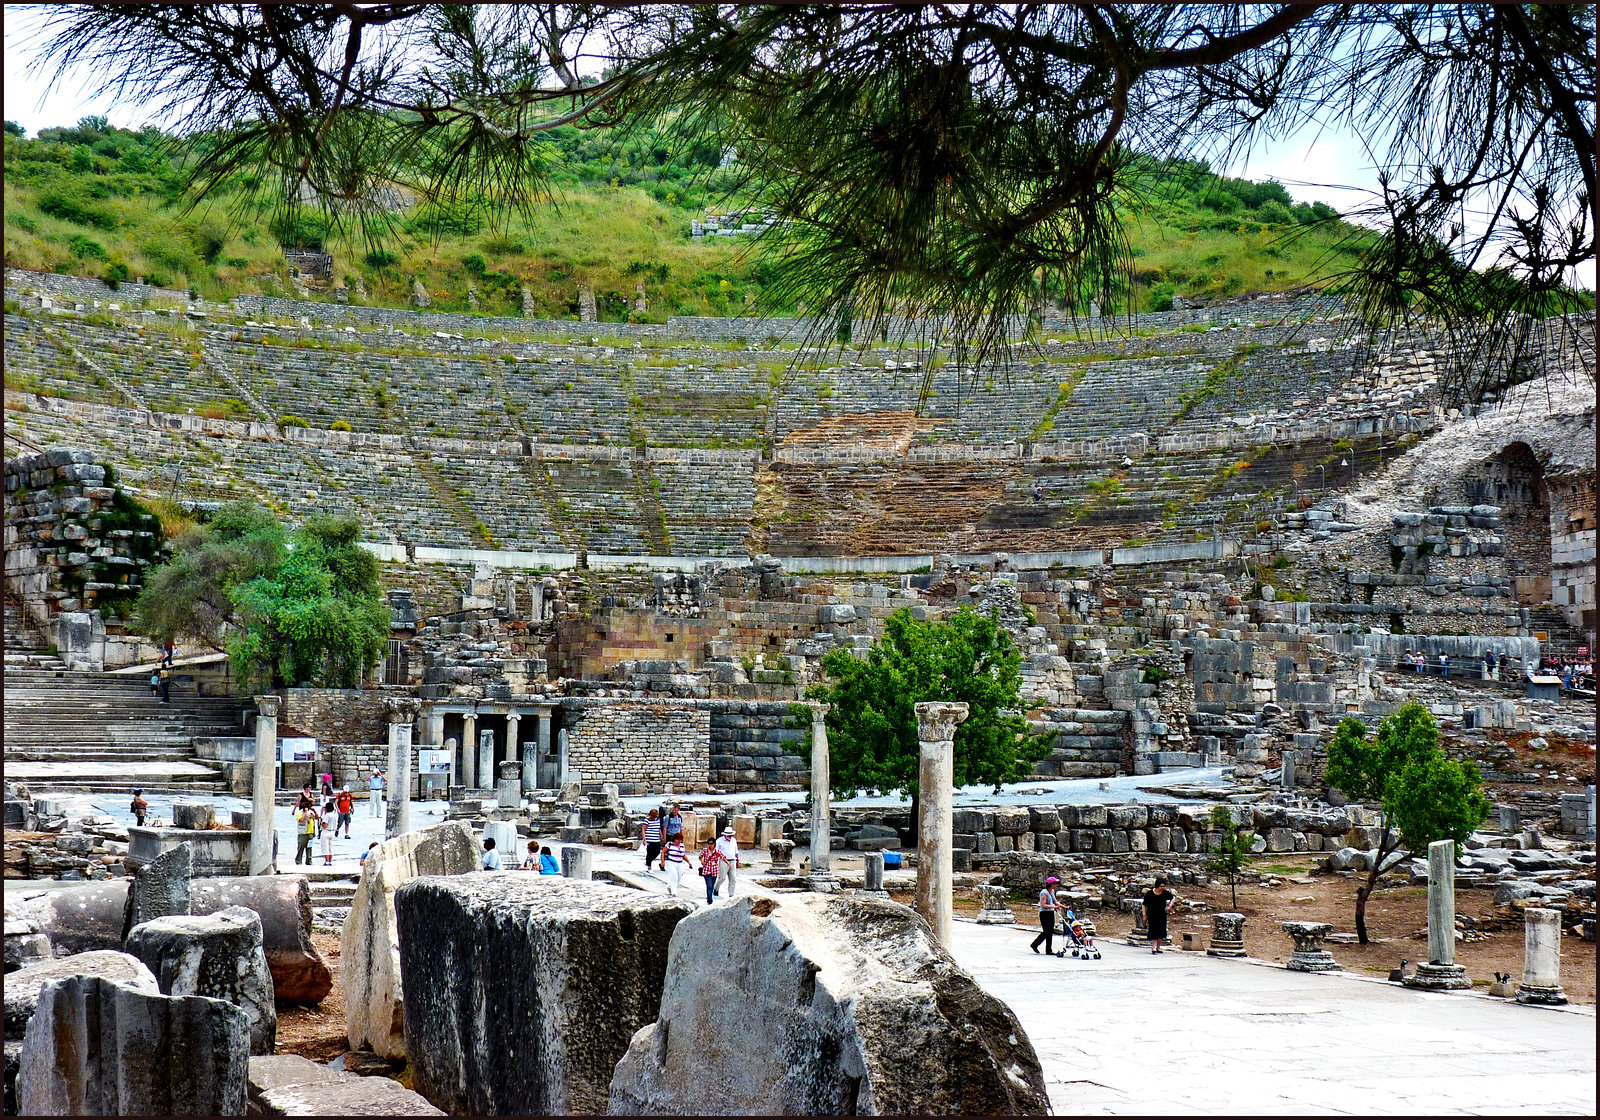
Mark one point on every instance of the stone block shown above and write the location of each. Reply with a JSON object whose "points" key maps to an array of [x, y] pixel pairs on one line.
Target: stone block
{"points": [[1092, 816], [1005, 843], [160, 888], [1025, 842], [369, 945], [495, 968], [1119, 839], [744, 831], [99, 1047], [1138, 840], [824, 994], [1160, 839], [193, 814], [1043, 819], [217, 955], [22, 986], [289, 1085], [1280, 840], [1011, 821], [1126, 816]]}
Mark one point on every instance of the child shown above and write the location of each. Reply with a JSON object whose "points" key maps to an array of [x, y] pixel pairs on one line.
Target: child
{"points": [[327, 823], [368, 852]]}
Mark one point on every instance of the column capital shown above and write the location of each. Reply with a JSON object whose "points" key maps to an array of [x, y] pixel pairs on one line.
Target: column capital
{"points": [[402, 709], [819, 710], [267, 705], [937, 719]]}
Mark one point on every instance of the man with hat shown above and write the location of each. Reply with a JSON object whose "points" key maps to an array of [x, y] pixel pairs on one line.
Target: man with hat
{"points": [[728, 849]]}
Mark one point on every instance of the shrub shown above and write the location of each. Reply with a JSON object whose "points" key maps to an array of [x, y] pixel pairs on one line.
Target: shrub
{"points": [[115, 274], [339, 426], [290, 420], [71, 205], [86, 247], [1161, 296], [475, 264], [381, 258]]}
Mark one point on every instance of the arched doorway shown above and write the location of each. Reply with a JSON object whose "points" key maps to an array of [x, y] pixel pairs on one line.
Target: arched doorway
{"points": [[1514, 480]]}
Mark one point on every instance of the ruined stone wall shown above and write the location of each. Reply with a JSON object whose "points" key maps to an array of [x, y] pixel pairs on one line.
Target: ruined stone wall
{"points": [[335, 715], [655, 743], [1572, 548]]}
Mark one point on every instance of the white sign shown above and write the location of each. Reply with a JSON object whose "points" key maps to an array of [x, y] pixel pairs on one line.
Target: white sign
{"points": [[297, 750], [434, 761]]}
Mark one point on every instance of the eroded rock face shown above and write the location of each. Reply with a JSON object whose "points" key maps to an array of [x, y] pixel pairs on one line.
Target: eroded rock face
{"points": [[84, 918], [523, 991], [217, 955], [97, 1047], [823, 1005], [289, 1085], [369, 947]]}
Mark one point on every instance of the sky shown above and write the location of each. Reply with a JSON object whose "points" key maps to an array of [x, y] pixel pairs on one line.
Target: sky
{"points": [[1314, 164]]}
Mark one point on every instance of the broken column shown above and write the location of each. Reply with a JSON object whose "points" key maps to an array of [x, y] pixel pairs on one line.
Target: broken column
{"points": [[160, 888], [218, 955], [872, 876], [577, 862], [781, 851], [936, 729], [1288, 770], [485, 759], [992, 908], [97, 1047], [508, 786], [402, 711], [840, 1006], [1440, 972], [523, 991], [1227, 937], [1309, 955], [821, 877], [1541, 969], [369, 943], [264, 785]]}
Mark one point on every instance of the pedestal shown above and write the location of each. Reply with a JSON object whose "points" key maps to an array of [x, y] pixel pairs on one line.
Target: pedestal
{"points": [[1227, 937], [1439, 978], [992, 906], [577, 863], [872, 877], [1140, 934], [1541, 973], [1309, 955]]}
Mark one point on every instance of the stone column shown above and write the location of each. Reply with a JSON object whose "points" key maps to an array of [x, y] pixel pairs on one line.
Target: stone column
{"points": [[433, 727], [1440, 972], [486, 759], [524, 752], [872, 876], [264, 785], [1227, 938], [821, 878], [936, 729], [469, 748], [1288, 770], [402, 711], [562, 771], [576, 862], [508, 785], [1541, 969], [542, 750]]}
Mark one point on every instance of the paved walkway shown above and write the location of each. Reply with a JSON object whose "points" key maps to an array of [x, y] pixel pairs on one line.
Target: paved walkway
{"points": [[1183, 1032]]}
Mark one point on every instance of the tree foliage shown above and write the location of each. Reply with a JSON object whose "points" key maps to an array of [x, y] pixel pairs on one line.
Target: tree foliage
{"points": [[872, 724], [958, 161], [1423, 795], [289, 609]]}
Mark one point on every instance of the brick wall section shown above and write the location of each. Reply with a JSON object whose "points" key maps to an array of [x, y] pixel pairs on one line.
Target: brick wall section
{"points": [[335, 715], [639, 741]]}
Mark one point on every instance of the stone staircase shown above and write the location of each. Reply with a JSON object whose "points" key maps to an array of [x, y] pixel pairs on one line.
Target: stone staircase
{"points": [[23, 647], [105, 733], [332, 892]]}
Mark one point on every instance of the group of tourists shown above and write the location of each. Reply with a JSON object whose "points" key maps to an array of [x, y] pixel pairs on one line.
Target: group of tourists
{"points": [[717, 863], [1157, 904], [322, 818]]}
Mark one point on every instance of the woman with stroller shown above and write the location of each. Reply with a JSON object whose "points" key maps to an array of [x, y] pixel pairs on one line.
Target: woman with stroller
{"points": [[1048, 906]]}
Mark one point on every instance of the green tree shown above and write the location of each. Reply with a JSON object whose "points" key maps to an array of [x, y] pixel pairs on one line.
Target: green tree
{"points": [[191, 596], [1423, 795], [872, 725], [1233, 849]]}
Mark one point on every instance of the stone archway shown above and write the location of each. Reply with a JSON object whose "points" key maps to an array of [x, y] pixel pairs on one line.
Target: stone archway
{"points": [[1514, 480]]}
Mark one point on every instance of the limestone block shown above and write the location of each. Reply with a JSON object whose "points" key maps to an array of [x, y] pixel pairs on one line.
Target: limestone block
{"points": [[369, 946], [1138, 840], [840, 1005], [160, 888], [193, 814], [744, 831], [523, 992], [98, 1047], [23, 986], [1011, 821], [217, 955], [289, 1085], [1280, 840]]}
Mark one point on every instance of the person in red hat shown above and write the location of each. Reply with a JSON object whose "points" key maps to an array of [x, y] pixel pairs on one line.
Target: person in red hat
{"points": [[1048, 905]]}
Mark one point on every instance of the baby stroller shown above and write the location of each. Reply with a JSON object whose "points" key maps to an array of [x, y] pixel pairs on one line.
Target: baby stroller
{"points": [[1081, 939]]}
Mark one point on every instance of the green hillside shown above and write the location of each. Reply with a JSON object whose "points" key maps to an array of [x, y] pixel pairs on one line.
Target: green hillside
{"points": [[96, 200]]}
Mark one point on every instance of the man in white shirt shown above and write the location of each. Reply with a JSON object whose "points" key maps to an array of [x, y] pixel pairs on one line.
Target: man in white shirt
{"points": [[728, 848], [491, 858]]}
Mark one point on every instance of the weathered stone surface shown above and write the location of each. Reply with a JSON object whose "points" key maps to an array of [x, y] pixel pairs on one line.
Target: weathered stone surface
{"points": [[193, 814], [22, 986], [217, 955], [160, 888], [96, 1047], [369, 946], [24, 944], [522, 991], [838, 1006], [289, 1085], [80, 919]]}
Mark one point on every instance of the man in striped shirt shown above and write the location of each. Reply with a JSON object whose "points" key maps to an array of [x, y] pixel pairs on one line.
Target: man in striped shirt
{"points": [[651, 837]]}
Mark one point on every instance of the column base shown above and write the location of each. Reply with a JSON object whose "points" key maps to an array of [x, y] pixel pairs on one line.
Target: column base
{"points": [[779, 869], [1320, 961], [1226, 949], [1539, 993], [882, 895], [995, 918], [823, 883], [1439, 978]]}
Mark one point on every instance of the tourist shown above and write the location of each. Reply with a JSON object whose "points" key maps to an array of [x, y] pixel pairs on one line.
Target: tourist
{"points": [[1566, 677], [305, 833], [139, 807], [491, 858], [166, 654], [368, 852], [729, 847], [307, 799], [1410, 662], [710, 863], [1038, 492], [1048, 905], [650, 837], [531, 862], [674, 860], [547, 861], [347, 811], [674, 824], [155, 684], [1502, 668], [327, 785], [1444, 665], [328, 828], [1488, 665], [375, 793], [166, 686], [1157, 904]]}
